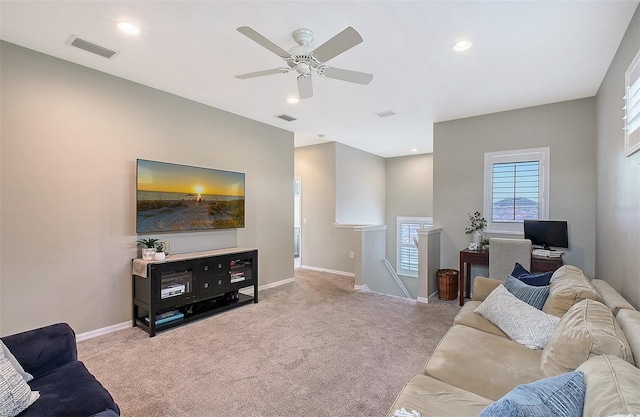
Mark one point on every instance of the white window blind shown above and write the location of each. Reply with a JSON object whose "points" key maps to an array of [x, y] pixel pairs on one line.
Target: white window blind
{"points": [[516, 186], [515, 191], [407, 253], [632, 107]]}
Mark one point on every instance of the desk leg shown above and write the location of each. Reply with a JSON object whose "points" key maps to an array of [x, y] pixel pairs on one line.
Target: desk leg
{"points": [[467, 279], [461, 281]]}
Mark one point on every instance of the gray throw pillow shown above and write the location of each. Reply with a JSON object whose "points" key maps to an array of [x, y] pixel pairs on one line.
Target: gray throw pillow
{"points": [[534, 296], [15, 393], [523, 323], [25, 375]]}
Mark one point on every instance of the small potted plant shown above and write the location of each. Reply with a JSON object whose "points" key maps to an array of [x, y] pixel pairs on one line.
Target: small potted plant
{"points": [[477, 223], [159, 255], [148, 248]]}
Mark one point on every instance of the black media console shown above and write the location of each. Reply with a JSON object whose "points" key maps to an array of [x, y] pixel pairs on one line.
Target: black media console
{"points": [[188, 287]]}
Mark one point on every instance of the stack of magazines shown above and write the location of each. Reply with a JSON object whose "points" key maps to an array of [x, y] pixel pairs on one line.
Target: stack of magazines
{"points": [[547, 253], [167, 317]]}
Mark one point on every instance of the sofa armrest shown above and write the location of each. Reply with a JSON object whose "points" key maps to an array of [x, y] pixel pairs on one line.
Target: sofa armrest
{"points": [[42, 350], [482, 286]]}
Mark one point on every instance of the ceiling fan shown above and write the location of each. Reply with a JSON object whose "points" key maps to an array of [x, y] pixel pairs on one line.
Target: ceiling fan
{"points": [[305, 59]]}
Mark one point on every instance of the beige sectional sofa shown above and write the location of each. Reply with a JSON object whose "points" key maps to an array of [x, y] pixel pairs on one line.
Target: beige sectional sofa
{"points": [[476, 363]]}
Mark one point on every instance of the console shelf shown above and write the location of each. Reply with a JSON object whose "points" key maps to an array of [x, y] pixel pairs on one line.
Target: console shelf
{"points": [[189, 287]]}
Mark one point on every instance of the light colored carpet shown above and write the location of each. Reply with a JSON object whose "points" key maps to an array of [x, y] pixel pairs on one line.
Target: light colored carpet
{"points": [[313, 348]]}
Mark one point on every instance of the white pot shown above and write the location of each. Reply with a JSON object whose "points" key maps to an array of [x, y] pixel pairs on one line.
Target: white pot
{"points": [[159, 256], [148, 253], [477, 237]]}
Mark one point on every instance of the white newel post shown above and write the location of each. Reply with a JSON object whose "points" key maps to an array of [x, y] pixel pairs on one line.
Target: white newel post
{"points": [[428, 261]]}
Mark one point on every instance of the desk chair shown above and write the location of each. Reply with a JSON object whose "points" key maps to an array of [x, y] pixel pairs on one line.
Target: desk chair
{"points": [[504, 253]]}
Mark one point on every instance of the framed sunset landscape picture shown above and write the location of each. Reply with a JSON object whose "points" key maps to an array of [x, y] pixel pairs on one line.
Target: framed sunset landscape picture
{"points": [[175, 198]]}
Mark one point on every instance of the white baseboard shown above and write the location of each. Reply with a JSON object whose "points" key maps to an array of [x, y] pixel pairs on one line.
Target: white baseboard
{"points": [[366, 289], [105, 330], [249, 290], [426, 300], [331, 271]]}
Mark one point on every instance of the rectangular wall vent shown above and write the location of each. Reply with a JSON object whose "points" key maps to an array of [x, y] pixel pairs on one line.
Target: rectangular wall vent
{"points": [[91, 47], [286, 117], [386, 113]]}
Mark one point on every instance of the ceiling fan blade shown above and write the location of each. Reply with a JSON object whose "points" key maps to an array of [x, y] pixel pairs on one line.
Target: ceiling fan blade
{"points": [[263, 73], [348, 75], [343, 41], [305, 87], [258, 38]]}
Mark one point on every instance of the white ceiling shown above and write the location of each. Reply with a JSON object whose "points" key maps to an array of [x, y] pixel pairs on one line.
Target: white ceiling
{"points": [[524, 53]]}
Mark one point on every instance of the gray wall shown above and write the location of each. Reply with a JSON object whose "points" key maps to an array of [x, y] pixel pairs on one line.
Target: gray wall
{"points": [[336, 178], [69, 141], [618, 201], [323, 245], [360, 189], [568, 128], [409, 183]]}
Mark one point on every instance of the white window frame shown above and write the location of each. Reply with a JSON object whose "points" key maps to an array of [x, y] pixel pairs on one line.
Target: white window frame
{"points": [[541, 155], [631, 107], [424, 223]]}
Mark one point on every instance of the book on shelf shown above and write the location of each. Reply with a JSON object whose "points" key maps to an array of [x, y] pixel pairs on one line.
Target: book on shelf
{"points": [[166, 317], [167, 314]]}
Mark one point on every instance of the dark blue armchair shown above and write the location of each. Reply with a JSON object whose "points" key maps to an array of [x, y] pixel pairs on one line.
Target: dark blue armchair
{"points": [[66, 387]]}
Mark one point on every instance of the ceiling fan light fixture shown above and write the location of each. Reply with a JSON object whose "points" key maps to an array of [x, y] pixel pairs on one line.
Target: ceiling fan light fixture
{"points": [[462, 45], [128, 28]]}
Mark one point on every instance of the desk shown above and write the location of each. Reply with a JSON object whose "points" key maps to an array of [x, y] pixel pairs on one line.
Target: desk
{"points": [[481, 257]]}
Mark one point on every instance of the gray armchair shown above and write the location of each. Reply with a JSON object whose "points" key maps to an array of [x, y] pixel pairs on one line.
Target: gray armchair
{"points": [[504, 253]]}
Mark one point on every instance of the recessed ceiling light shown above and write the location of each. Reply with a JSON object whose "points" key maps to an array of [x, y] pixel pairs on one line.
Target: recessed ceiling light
{"points": [[128, 28], [292, 99], [414, 150], [461, 46]]}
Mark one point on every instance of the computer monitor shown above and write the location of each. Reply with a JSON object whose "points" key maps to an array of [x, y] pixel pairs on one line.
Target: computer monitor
{"points": [[547, 233]]}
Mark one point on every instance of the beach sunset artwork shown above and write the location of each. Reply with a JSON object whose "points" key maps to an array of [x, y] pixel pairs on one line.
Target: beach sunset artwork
{"points": [[173, 198]]}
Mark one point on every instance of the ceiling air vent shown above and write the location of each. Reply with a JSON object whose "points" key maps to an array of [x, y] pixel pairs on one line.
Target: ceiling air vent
{"points": [[90, 47], [386, 113], [285, 117]]}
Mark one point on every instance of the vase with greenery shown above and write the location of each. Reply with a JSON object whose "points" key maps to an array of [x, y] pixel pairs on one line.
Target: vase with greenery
{"points": [[148, 248], [477, 223], [159, 255]]}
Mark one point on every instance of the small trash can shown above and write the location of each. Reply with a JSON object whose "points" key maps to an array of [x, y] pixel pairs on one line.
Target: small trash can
{"points": [[447, 280]]}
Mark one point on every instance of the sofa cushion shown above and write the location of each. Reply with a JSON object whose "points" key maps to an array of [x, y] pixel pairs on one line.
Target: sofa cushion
{"points": [[559, 396], [610, 297], [532, 295], [523, 323], [42, 350], [568, 286], [612, 386], [587, 329], [537, 280], [433, 398], [69, 391], [629, 321], [468, 317], [483, 363], [15, 394]]}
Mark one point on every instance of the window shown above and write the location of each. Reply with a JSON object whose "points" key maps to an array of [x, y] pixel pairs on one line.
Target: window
{"points": [[632, 107], [407, 253], [516, 188]]}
